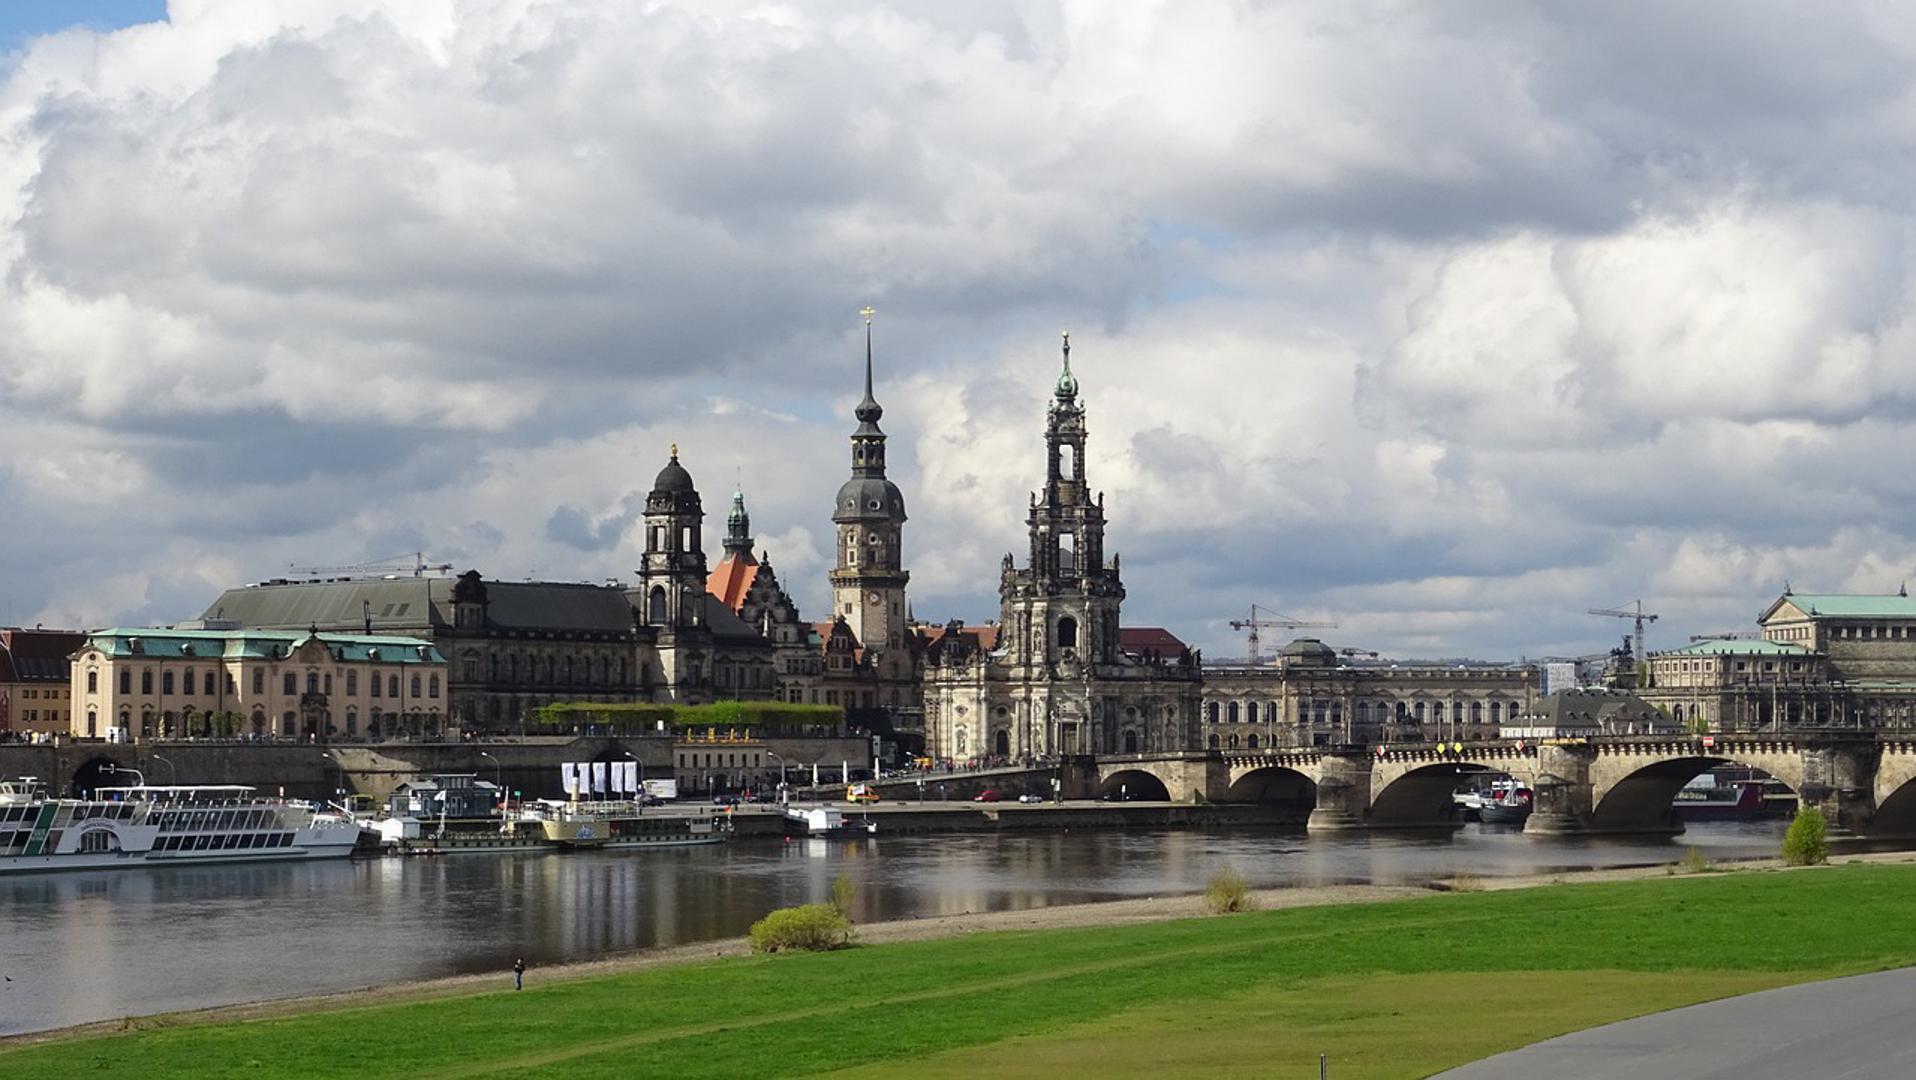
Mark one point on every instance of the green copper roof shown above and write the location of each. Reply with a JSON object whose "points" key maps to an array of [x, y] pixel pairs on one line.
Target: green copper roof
{"points": [[261, 644], [1854, 606], [1738, 647]]}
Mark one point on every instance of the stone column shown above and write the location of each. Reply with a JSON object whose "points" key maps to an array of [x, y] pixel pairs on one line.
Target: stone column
{"points": [[1562, 790], [1343, 793]]}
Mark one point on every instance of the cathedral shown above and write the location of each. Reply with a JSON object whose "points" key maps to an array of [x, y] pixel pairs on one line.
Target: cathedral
{"points": [[1055, 678]]}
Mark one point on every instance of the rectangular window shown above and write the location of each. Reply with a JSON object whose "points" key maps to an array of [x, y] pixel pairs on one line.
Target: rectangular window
{"points": [[146, 681], [126, 682], [289, 684], [352, 684], [259, 680], [375, 682], [166, 682], [92, 682]]}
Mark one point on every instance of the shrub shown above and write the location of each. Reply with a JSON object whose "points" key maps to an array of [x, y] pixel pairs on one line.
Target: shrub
{"points": [[811, 928], [1465, 881], [1694, 862], [1228, 892], [842, 892], [1805, 844]]}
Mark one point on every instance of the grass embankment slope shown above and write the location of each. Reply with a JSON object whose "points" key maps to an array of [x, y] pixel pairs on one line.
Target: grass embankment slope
{"points": [[1388, 989]]}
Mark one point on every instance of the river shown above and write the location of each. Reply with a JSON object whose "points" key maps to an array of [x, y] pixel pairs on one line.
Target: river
{"points": [[81, 947]]}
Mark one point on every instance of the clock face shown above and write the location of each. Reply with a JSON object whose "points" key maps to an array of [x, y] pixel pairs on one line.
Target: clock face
{"points": [[873, 597]]}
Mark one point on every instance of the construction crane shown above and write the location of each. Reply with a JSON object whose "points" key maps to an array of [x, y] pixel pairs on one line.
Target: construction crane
{"points": [[1274, 621], [413, 562], [1635, 613]]}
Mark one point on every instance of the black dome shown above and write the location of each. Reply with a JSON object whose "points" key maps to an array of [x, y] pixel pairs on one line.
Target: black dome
{"points": [[673, 478]]}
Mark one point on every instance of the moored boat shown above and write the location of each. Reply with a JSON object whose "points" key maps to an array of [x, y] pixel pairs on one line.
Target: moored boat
{"points": [[1741, 801], [144, 825], [1511, 807], [621, 823]]}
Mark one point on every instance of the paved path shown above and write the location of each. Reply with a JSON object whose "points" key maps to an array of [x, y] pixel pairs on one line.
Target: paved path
{"points": [[1842, 1029]]}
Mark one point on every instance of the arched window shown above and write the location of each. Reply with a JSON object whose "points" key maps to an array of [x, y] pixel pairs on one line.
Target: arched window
{"points": [[1064, 461], [1210, 712], [415, 686], [1130, 741], [1251, 743], [1231, 742], [432, 686], [1067, 552], [166, 682], [352, 722], [312, 682], [1230, 713], [1250, 712], [1476, 712], [655, 609], [1496, 712], [392, 686], [1211, 742], [1067, 633]]}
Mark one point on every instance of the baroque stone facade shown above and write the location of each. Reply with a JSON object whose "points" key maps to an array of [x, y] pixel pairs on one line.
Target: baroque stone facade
{"points": [[1312, 696], [1054, 680], [1818, 660]]}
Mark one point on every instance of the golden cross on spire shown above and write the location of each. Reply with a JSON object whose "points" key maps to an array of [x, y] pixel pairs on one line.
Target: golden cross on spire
{"points": [[867, 312], [675, 450]]}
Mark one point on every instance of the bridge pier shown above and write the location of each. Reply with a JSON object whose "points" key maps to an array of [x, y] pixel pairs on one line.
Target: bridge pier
{"points": [[1564, 798], [1343, 794], [1839, 778]]}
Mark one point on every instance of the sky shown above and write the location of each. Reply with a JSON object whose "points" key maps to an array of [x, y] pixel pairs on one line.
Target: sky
{"points": [[1444, 322]]}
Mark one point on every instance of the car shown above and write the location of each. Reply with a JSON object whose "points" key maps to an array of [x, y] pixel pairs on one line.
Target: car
{"points": [[1028, 797], [651, 800], [725, 800], [987, 795]]}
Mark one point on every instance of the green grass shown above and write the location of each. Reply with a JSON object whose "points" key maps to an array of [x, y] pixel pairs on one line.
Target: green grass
{"points": [[1393, 989]]}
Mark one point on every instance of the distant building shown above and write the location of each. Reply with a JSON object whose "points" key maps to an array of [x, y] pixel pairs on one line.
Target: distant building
{"points": [[35, 684], [1312, 696], [152, 683], [1820, 660], [1588, 712], [1055, 677]]}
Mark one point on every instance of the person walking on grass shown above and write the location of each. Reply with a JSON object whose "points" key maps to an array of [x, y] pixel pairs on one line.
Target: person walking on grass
{"points": [[519, 974]]}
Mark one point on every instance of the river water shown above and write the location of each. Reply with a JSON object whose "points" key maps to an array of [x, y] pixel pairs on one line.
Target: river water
{"points": [[80, 947]]}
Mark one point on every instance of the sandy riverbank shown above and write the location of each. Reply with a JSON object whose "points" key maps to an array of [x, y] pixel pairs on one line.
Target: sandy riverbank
{"points": [[1059, 917]]}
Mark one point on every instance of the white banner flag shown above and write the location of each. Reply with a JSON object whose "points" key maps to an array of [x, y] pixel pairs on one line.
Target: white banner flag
{"points": [[569, 778], [628, 778], [598, 778]]}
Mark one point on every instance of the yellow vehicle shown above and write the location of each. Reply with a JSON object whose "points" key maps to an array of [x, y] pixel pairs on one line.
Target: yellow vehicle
{"points": [[860, 793]]}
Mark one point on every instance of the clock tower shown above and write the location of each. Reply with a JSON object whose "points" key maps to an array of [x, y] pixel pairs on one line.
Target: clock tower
{"points": [[868, 578]]}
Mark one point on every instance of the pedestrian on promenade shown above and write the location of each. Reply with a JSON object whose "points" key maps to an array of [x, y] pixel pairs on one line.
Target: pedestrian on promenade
{"points": [[519, 974]]}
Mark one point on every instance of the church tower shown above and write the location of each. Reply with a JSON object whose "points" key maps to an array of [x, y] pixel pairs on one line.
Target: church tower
{"points": [[672, 575], [868, 580], [738, 531]]}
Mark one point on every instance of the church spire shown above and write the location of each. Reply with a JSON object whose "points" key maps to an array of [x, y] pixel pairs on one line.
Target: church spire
{"points": [[738, 528], [1067, 382], [868, 410]]}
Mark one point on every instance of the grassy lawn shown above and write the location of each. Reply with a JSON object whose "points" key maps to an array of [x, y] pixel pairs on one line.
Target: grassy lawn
{"points": [[1392, 989]]}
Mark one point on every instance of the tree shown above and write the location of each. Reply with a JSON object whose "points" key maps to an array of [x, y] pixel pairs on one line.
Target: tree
{"points": [[1806, 844]]}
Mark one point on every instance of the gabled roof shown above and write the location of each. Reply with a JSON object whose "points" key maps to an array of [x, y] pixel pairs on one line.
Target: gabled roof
{"points": [[732, 579], [1738, 647], [37, 655], [986, 636], [1844, 606]]}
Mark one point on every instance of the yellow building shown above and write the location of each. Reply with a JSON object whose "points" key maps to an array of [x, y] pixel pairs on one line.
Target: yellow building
{"points": [[34, 682], [146, 683]]}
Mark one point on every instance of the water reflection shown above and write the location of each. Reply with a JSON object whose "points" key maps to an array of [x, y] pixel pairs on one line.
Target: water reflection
{"points": [[96, 946]]}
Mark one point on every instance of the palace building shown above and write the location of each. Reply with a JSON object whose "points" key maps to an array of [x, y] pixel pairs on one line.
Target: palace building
{"points": [[1055, 679], [1818, 659], [151, 683]]}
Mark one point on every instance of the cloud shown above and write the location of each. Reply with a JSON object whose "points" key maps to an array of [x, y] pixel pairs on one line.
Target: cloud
{"points": [[1446, 322]]}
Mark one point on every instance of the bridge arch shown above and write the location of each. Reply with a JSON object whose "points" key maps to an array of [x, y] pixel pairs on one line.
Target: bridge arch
{"points": [[1422, 796], [1137, 785], [1274, 785], [97, 772], [1638, 799]]}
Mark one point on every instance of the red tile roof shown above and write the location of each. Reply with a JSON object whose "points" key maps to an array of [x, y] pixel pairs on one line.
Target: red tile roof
{"points": [[1136, 639], [732, 580], [987, 635]]}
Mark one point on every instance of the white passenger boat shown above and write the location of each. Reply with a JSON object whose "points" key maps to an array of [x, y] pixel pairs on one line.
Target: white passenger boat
{"points": [[161, 826]]}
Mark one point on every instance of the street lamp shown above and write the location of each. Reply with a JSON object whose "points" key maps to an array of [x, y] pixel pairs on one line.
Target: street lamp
{"points": [[171, 773], [783, 792]]}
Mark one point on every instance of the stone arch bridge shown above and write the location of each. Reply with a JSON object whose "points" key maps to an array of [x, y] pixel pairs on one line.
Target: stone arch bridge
{"points": [[1621, 784]]}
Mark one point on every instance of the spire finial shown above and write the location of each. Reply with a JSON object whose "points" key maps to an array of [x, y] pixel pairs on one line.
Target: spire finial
{"points": [[868, 410], [1067, 382], [675, 451]]}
